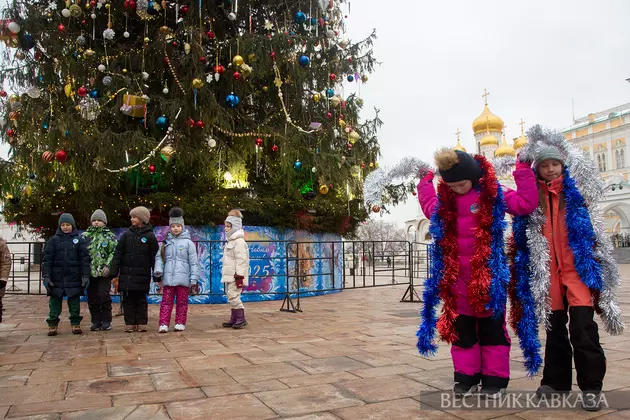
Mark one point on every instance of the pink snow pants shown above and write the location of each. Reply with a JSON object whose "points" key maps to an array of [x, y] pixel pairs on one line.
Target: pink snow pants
{"points": [[166, 307]]}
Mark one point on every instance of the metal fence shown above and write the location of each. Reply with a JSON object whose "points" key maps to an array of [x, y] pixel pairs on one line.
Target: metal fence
{"points": [[345, 265]]}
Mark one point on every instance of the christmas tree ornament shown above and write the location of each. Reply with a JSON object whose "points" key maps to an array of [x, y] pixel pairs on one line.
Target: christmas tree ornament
{"points": [[82, 91], [94, 93], [237, 60], [272, 55], [274, 148], [323, 189], [145, 75], [376, 208], [75, 11], [332, 77], [187, 48], [13, 27], [45, 125], [316, 97], [61, 27], [48, 156], [364, 78], [210, 35], [246, 70], [304, 61], [344, 43], [237, 75], [152, 169], [61, 156], [162, 122], [183, 10], [28, 42], [211, 142], [109, 34], [359, 102], [300, 17], [335, 101], [107, 80], [65, 13], [297, 165], [259, 141], [350, 78], [28, 190], [314, 169], [330, 93], [11, 132], [329, 115], [219, 69], [90, 52], [20, 55], [197, 83], [3, 93], [353, 137], [202, 59], [101, 68], [232, 16], [232, 100], [200, 124], [89, 108], [126, 34], [167, 153], [134, 106], [190, 122]]}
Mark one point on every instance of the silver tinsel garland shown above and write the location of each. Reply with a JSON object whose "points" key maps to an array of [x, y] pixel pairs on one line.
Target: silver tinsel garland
{"points": [[377, 180], [589, 183], [503, 166]]}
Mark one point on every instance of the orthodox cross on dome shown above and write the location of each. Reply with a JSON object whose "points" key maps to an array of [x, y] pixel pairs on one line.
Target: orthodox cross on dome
{"points": [[457, 134], [522, 124], [485, 96]]}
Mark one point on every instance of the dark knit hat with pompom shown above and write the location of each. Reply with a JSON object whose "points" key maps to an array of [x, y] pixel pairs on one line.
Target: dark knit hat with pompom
{"points": [[176, 216]]}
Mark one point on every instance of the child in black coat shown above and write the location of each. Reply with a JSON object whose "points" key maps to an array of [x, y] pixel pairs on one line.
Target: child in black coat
{"points": [[132, 264], [66, 272]]}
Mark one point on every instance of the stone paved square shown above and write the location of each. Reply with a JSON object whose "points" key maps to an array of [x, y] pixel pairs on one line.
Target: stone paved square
{"points": [[349, 355]]}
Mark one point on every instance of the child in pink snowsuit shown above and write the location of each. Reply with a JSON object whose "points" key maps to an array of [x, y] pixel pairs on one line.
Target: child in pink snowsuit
{"points": [[177, 267], [464, 211]]}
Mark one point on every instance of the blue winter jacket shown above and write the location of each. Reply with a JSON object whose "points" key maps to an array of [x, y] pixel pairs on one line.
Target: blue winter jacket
{"points": [[180, 266]]}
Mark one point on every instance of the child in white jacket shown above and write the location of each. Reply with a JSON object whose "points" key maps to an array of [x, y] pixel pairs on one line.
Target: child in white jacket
{"points": [[235, 267], [177, 267]]}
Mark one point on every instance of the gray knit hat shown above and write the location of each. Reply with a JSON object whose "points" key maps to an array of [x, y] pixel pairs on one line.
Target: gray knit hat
{"points": [[548, 153], [67, 218], [141, 213], [99, 215], [176, 216]]}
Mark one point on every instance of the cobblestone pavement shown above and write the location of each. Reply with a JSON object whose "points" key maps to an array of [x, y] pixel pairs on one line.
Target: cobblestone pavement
{"points": [[349, 355]]}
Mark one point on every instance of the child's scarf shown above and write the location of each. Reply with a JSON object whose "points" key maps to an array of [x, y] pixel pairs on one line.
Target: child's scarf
{"points": [[489, 278]]}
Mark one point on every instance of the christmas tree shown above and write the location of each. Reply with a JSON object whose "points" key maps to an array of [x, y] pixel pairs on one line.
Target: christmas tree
{"points": [[208, 105]]}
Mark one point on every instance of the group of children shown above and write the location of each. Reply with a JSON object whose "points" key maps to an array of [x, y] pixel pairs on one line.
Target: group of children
{"points": [[470, 274], [74, 264]]}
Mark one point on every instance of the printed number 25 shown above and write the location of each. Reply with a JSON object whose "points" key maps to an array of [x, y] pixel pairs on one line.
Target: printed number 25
{"points": [[257, 270]]}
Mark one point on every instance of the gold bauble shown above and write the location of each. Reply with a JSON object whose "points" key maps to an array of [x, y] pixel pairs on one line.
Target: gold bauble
{"points": [[323, 189], [237, 60], [124, 71], [335, 101], [146, 40], [68, 90], [317, 97], [265, 88], [89, 52], [28, 190], [14, 98], [19, 55], [164, 30], [376, 208], [167, 153], [197, 83], [364, 78], [252, 58], [13, 115], [246, 70], [342, 123], [75, 11], [353, 137], [187, 48], [360, 102]]}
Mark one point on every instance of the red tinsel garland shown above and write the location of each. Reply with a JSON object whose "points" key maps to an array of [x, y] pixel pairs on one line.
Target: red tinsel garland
{"points": [[480, 278], [450, 255], [479, 284]]}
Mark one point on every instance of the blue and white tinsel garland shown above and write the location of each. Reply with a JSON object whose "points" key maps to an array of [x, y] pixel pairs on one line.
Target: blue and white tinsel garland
{"points": [[498, 262]]}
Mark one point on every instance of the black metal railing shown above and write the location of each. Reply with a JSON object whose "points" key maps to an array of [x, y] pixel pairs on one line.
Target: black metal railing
{"points": [[335, 265]]}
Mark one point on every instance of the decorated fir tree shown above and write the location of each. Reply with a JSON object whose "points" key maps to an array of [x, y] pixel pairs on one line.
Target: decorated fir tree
{"points": [[208, 105]]}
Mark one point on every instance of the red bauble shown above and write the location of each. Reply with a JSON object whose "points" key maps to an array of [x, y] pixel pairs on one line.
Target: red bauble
{"points": [[343, 104], [174, 44], [82, 91], [363, 165], [83, 22], [274, 148], [3, 93], [38, 55], [219, 69], [132, 5], [190, 122], [273, 55], [10, 132], [92, 3], [237, 75], [183, 10], [414, 192], [152, 169], [349, 146], [210, 34], [126, 4], [349, 59], [61, 27], [200, 124], [165, 60], [202, 59], [330, 185], [341, 116], [259, 141], [48, 156], [61, 156], [329, 115], [333, 77]]}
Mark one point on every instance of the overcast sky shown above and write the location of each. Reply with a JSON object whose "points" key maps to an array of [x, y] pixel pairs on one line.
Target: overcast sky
{"points": [[533, 56]]}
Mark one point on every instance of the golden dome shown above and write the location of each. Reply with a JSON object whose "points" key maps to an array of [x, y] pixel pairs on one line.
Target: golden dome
{"points": [[505, 149], [487, 121], [459, 147], [520, 142], [488, 140]]}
